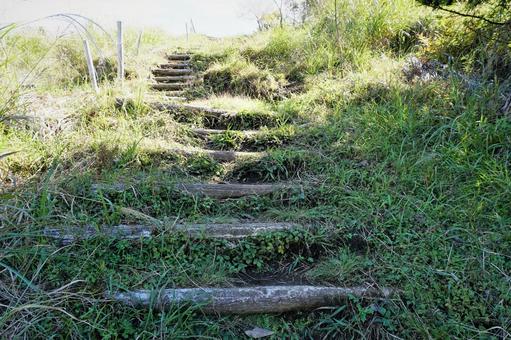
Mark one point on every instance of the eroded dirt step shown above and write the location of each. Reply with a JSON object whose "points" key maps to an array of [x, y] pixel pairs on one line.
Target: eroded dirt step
{"points": [[179, 56], [251, 300], [169, 86], [218, 155], [229, 191], [171, 72], [228, 231], [175, 79]]}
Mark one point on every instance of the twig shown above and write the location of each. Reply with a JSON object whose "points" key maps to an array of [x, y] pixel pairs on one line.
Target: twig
{"points": [[473, 16], [507, 105], [7, 154]]}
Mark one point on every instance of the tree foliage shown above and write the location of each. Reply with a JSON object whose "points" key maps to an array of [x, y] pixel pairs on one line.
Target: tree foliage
{"points": [[495, 12]]}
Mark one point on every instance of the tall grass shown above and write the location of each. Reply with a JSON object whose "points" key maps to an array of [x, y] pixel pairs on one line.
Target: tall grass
{"points": [[326, 43]]}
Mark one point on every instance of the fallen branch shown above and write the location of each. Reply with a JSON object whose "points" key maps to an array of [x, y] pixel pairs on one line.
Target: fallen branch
{"points": [[7, 154], [468, 15]]}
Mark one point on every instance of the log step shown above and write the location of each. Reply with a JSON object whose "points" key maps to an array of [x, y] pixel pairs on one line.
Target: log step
{"points": [[198, 110], [175, 94], [226, 191], [250, 300], [206, 133], [178, 56], [177, 99], [171, 72], [174, 79], [175, 65], [212, 118], [227, 231], [169, 86], [219, 156]]}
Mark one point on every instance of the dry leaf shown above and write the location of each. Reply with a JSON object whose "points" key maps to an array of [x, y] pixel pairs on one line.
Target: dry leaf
{"points": [[258, 333]]}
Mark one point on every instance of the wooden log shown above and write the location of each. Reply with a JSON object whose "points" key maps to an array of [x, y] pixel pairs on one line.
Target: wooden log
{"points": [[219, 156], [250, 300], [206, 133], [174, 64], [174, 94], [174, 79], [176, 98], [191, 109], [179, 56], [227, 231], [234, 231], [213, 117], [226, 191], [69, 235], [171, 72], [169, 86]]}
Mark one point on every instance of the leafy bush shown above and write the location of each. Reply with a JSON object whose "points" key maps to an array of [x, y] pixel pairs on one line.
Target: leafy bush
{"points": [[475, 35]]}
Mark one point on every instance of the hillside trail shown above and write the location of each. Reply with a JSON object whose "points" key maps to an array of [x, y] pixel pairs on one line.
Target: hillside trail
{"points": [[259, 293]]}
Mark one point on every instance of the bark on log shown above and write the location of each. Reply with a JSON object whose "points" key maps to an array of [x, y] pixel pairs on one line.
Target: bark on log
{"points": [[205, 133], [175, 66], [169, 86], [171, 64], [226, 191], [219, 156], [251, 300], [190, 109], [172, 72], [232, 231], [174, 79], [178, 56], [175, 93], [175, 98], [69, 235], [212, 118]]}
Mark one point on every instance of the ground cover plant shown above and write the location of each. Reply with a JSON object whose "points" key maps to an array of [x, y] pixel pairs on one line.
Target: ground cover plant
{"points": [[400, 165]]}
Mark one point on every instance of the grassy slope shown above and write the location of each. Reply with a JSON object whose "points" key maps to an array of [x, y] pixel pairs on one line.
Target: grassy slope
{"points": [[408, 181]]}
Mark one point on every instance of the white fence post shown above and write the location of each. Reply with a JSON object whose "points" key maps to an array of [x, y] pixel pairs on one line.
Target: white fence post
{"points": [[120, 51], [139, 41], [90, 66]]}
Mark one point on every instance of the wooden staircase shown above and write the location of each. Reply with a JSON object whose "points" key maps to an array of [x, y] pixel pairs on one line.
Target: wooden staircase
{"points": [[175, 77]]}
